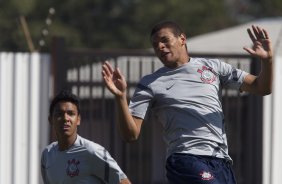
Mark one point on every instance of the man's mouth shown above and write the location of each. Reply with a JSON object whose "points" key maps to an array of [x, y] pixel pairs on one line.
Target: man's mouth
{"points": [[164, 54], [65, 127]]}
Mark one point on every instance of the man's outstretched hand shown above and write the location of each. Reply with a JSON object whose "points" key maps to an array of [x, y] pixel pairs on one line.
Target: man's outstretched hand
{"points": [[114, 80], [261, 43]]}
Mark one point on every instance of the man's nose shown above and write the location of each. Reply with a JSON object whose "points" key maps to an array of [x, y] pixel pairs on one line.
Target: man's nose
{"points": [[66, 116], [160, 46]]}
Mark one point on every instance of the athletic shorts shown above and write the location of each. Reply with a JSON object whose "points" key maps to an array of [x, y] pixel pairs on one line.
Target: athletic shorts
{"points": [[194, 169]]}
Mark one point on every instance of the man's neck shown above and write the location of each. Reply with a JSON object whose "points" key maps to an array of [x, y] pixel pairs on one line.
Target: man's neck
{"points": [[182, 61], [66, 142]]}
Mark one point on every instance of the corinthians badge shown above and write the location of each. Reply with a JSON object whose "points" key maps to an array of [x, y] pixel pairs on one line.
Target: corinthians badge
{"points": [[72, 169], [207, 74]]}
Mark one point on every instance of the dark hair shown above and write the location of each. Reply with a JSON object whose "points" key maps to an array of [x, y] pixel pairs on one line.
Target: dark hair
{"points": [[175, 28], [65, 96]]}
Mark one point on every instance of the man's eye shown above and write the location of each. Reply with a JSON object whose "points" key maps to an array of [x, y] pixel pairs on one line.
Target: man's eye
{"points": [[71, 113], [165, 40], [57, 114]]}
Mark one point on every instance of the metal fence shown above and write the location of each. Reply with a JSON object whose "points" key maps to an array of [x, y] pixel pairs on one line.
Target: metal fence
{"points": [[144, 160]]}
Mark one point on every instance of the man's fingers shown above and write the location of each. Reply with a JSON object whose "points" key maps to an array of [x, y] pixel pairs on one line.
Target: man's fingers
{"points": [[251, 35], [251, 51], [260, 33], [109, 66], [119, 73], [107, 69], [256, 31], [265, 34]]}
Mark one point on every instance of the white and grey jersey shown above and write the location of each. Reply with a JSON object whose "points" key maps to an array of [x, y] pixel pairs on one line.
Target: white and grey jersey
{"points": [[187, 101], [85, 163]]}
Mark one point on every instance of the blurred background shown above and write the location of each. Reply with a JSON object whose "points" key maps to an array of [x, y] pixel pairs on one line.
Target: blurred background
{"points": [[46, 46], [119, 23]]}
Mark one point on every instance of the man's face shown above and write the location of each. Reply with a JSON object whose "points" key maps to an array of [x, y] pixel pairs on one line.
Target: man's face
{"points": [[65, 119], [168, 47]]}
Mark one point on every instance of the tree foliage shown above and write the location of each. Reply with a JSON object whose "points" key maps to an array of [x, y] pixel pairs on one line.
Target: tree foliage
{"points": [[116, 24]]}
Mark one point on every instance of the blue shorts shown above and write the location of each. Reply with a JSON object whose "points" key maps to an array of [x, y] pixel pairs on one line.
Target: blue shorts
{"points": [[194, 169]]}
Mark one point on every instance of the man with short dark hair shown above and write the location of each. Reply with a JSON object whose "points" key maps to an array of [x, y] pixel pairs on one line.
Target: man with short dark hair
{"points": [[73, 159], [185, 97]]}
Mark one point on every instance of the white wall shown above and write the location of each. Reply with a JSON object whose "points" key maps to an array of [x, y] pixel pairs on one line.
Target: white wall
{"points": [[276, 135], [272, 126], [24, 100]]}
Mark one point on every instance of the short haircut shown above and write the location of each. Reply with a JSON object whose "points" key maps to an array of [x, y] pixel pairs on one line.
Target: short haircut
{"points": [[64, 96], [173, 26]]}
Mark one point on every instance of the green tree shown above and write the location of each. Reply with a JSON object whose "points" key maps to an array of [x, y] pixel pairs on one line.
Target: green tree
{"points": [[119, 23]]}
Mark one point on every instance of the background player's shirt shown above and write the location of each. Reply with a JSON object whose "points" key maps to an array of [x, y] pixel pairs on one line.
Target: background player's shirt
{"points": [[187, 101], [84, 163]]}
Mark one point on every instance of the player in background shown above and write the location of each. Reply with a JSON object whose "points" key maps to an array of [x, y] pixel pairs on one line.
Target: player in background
{"points": [[73, 159]]}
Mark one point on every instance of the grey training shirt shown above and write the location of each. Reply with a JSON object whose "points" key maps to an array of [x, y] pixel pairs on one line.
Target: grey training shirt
{"points": [[84, 163], [187, 101]]}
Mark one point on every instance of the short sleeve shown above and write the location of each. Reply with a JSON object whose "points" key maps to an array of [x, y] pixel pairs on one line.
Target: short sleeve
{"points": [[43, 168], [105, 167], [230, 76], [140, 101]]}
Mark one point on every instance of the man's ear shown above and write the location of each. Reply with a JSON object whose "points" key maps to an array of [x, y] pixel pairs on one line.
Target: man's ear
{"points": [[78, 120], [50, 120], [183, 39]]}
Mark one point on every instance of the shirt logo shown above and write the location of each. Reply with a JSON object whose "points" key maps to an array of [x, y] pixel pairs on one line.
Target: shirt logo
{"points": [[206, 175], [207, 74], [72, 169]]}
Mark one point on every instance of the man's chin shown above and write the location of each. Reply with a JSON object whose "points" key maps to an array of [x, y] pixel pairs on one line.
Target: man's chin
{"points": [[65, 134], [169, 64], [165, 61]]}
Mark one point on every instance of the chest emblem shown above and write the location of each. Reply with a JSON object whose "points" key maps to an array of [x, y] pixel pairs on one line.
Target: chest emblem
{"points": [[72, 168], [207, 74]]}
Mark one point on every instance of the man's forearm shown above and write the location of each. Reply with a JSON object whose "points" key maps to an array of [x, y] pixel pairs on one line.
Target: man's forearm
{"points": [[128, 128], [264, 80], [125, 181]]}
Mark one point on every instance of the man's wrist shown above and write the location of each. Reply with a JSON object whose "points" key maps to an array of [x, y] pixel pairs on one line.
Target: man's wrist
{"points": [[121, 97]]}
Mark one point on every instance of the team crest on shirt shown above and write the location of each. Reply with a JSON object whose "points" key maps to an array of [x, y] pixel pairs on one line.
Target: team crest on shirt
{"points": [[206, 175], [207, 74], [72, 169]]}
